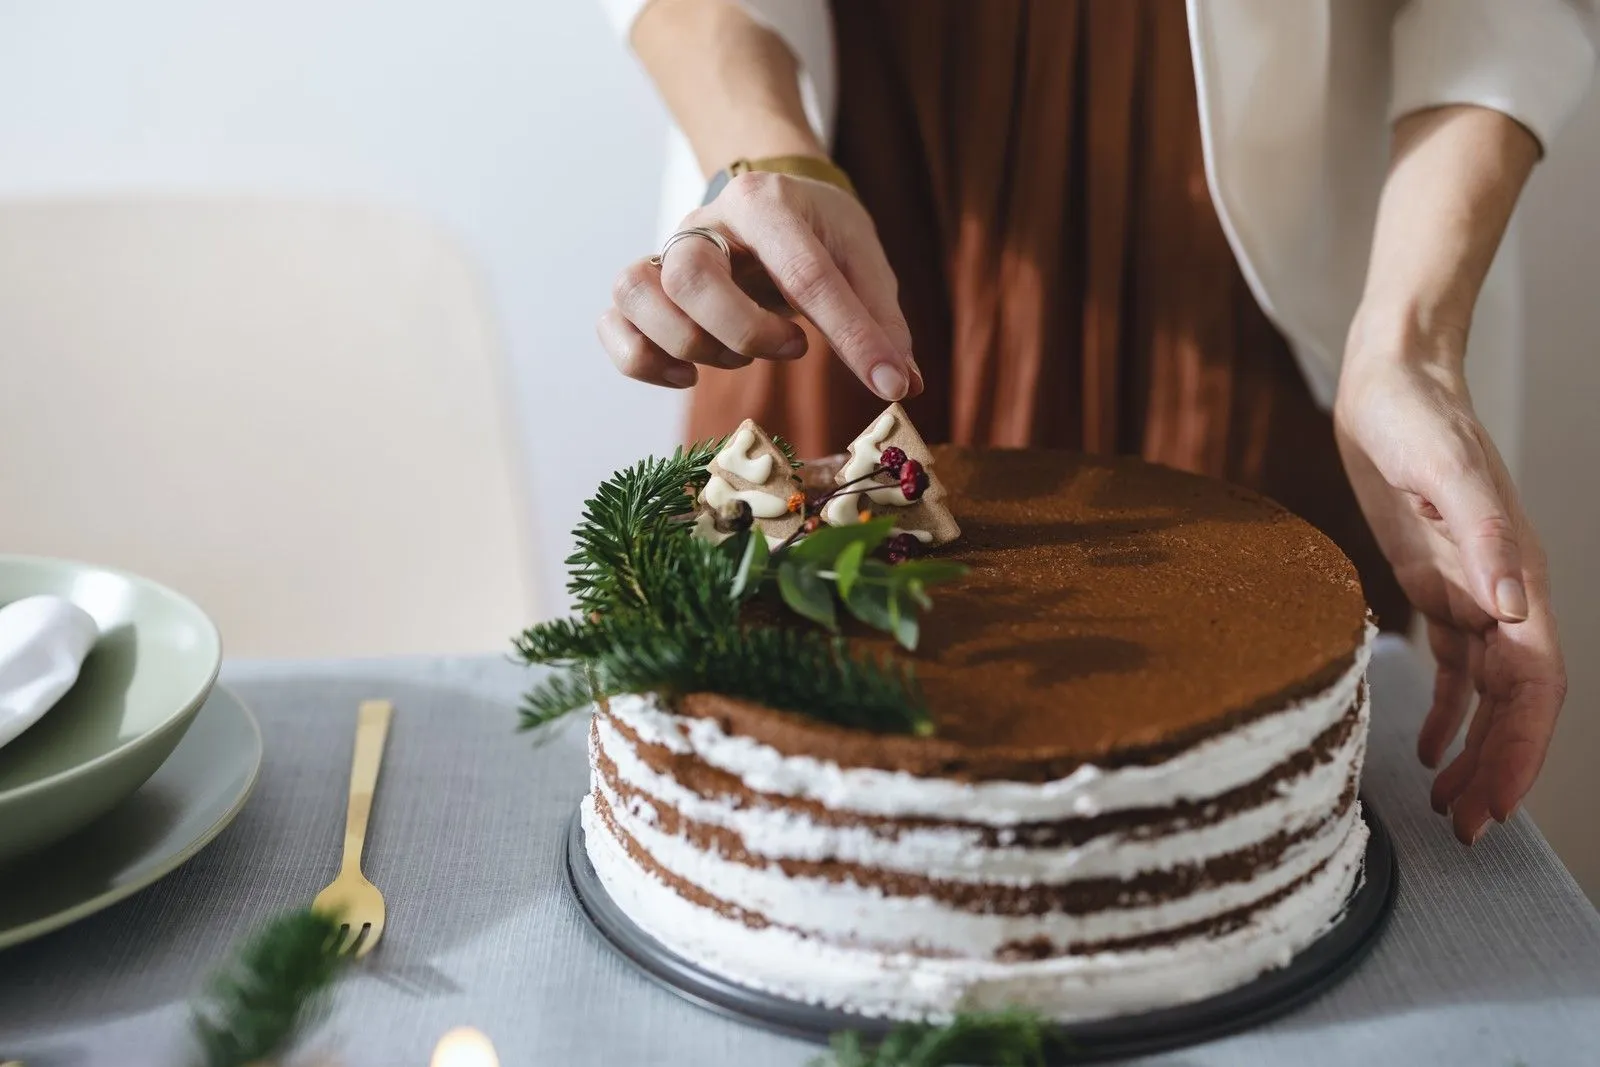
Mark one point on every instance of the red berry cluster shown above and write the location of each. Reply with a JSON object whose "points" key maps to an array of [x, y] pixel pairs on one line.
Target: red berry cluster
{"points": [[911, 476], [913, 480], [908, 472], [902, 547]]}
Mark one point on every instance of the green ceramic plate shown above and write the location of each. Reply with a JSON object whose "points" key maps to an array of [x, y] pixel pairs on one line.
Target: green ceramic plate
{"points": [[189, 801], [139, 690]]}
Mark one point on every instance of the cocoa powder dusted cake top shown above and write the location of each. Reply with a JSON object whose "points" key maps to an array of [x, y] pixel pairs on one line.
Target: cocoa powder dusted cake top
{"points": [[1114, 612]]}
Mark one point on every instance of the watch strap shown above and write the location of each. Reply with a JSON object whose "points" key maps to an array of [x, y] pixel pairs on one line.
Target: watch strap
{"points": [[817, 168]]}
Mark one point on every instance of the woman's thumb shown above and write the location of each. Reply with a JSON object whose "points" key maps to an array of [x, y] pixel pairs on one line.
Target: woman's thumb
{"points": [[1479, 517]]}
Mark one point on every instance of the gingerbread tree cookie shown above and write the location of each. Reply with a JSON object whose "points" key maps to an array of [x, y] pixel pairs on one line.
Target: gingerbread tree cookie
{"points": [[889, 455], [750, 471]]}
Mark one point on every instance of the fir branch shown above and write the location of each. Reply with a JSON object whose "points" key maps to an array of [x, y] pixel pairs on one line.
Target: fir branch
{"points": [[788, 451], [682, 584], [605, 568], [685, 583], [1012, 1038], [273, 990], [817, 675], [661, 612], [793, 670], [558, 696], [562, 642]]}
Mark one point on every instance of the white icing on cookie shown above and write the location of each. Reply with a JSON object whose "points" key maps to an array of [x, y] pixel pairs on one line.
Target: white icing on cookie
{"points": [[735, 458], [866, 452], [705, 528], [763, 505], [842, 510]]}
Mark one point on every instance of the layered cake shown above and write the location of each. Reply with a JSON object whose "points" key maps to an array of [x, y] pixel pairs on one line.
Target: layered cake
{"points": [[1149, 710]]}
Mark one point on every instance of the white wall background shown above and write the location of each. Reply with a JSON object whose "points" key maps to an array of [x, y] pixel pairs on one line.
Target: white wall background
{"points": [[518, 126], [1561, 466], [522, 129]]}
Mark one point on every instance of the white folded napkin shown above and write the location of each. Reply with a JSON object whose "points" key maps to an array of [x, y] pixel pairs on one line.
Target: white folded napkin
{"points": [[43, 641]]}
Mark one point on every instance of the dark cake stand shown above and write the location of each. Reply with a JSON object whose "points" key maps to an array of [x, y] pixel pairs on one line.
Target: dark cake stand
{"points": [[1319, 967]]}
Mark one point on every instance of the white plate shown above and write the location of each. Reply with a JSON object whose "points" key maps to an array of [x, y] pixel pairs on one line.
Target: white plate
{"points": [[190, 800]]}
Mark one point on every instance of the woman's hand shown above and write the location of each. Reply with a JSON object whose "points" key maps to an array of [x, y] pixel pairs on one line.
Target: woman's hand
{"points": [[797, 244], [1439, 498]]}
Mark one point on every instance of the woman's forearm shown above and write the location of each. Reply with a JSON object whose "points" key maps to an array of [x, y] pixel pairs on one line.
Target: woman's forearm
{"points": [[732, 85], [1454, 178]]}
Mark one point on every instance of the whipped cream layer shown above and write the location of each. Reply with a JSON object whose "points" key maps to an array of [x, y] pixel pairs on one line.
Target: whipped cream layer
{"points": [[1107, 891], [845, 912], [1215, 765], [906, 985], [959, 852]]}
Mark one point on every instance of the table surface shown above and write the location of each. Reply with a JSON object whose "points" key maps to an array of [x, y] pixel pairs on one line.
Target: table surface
{"points": [[1493, 955]]}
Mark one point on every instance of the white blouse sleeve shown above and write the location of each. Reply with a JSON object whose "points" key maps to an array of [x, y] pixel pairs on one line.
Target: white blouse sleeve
{"points": [[622, 13], [1529, 59]]}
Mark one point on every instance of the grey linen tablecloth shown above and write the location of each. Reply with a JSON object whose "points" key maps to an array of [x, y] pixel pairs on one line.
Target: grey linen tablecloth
{"points": [[1493, 956]]}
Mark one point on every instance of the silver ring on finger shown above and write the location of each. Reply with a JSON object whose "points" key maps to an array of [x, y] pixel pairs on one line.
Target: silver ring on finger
{"points": [[703, 232]]}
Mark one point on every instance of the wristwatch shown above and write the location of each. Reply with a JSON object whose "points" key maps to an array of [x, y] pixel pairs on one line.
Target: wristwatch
{"points": [[818, 168]]}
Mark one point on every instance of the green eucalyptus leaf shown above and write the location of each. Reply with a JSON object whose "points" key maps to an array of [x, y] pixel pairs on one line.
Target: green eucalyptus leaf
{"points": [[752, 565], [875, 600], [848, 566], [902, 623], [930, 571], [806, 592], [824, 544], [914, 590], [907, 631], [869, 602], [876, 572]]}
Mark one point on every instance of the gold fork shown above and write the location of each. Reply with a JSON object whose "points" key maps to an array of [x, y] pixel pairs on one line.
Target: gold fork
{"points": [[356, 901]]}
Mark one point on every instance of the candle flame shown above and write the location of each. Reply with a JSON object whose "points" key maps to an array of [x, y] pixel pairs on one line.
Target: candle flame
{"points": [[464, 1047]]}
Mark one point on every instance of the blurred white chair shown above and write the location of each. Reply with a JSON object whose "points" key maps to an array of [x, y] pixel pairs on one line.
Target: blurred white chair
{"points": [[290, 411]]}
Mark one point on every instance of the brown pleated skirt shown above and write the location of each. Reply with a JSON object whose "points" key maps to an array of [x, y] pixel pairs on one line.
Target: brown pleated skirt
{"points": [[1036, 174]]}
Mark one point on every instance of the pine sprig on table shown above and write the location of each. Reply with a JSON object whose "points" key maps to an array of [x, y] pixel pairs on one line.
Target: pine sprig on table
{"points": [[1013, 1038], [271, 991], [606, 570]]}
